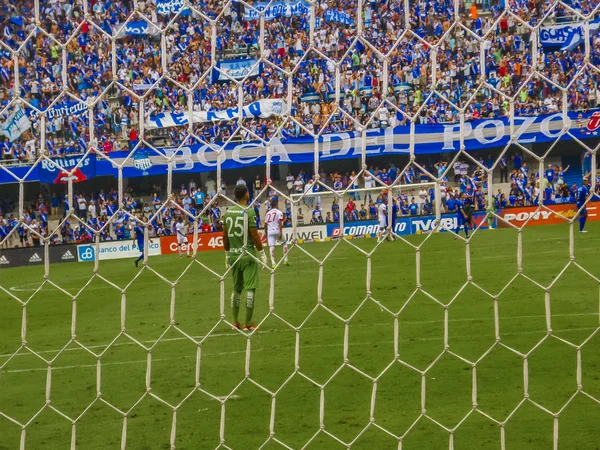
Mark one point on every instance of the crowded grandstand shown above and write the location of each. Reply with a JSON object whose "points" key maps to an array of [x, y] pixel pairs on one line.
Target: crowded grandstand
{"points": [[82, 95]]}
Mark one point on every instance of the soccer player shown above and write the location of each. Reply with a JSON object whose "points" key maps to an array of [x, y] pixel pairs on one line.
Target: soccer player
{"points": [[582, 194], [461, 216], [382, 219], [491, 210], [182, 238], [245, 267], [138, 231], [395, 208], [273, 230]]}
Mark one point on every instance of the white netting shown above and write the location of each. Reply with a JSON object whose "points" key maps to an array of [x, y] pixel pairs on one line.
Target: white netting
{"points": [[461, 64]]}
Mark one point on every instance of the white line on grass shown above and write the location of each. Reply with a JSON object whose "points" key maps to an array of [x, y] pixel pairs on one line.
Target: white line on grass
{"points": [[356, 325], [256, 350], [279, 330]]}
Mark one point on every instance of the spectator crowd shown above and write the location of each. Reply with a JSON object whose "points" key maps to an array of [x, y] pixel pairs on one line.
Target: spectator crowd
{"points": [[412, 88], [475, 57]]}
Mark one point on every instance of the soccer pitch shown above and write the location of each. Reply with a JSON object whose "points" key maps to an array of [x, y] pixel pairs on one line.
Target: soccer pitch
{"points": [[446, 389]]}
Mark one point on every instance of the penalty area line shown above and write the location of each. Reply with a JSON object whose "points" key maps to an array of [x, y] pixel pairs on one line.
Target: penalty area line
{"points": [[257, 350], [320, 327]]}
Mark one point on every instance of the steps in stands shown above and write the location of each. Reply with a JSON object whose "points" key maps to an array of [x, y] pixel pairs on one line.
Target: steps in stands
{"points": [[575, 172]]}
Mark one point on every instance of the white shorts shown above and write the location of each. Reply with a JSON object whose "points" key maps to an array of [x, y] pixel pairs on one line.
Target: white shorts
{"points": [[382, 225], [182, 239], [273, 239]]}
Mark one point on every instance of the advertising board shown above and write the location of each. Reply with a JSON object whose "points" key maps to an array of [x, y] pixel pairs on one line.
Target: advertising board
{"points": [[22, 256], [206, 242], [404, 226], [115, 250], [554, 214]]}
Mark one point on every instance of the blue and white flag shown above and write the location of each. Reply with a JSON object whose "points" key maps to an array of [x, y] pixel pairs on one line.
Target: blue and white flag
{"points": [[67, 109], [310, 97], [142, 86], [333, 15], [16, 124], [237, 69], [402, 87], [274, 10], [260, 108], [167, 7], [566, 36], [137, 28], [17, 20], [142, 161]]}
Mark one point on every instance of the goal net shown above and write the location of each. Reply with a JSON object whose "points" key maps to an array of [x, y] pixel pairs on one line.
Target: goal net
{"points": [[428, 284]]}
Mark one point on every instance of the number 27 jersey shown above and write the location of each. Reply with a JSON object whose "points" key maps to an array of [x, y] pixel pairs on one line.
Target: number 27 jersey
{"points": [[272, 220]]}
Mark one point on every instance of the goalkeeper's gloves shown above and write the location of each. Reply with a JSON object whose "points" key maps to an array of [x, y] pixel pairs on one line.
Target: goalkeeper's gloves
{"points": [[227, 265], [263, 257]]}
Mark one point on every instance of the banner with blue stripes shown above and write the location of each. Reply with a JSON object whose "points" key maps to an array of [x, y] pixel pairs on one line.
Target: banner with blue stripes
{"points": [[429, 139]]}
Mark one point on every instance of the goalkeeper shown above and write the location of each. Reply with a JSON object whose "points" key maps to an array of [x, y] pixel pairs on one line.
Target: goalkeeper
{"points": [[245, 267]]}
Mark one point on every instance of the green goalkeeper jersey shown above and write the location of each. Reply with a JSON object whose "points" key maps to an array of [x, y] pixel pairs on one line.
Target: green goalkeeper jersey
{"points": [[234, 223]]}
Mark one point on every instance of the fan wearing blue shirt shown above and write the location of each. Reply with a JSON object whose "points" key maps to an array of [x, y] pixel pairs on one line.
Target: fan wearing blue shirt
{"points": [[548, 194], [582, 194], [517, 161], [394, 219], [139, 237], [549, 173], [404, 208], [413, 207], [451, 204], [461, 216], [199, 199]]}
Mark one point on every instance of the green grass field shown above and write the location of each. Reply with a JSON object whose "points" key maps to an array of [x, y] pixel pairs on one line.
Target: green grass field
{"points": [[350, 393]]}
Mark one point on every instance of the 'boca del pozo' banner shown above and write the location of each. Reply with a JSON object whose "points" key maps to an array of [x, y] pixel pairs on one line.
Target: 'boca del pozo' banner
{"points": [[428, 139]]}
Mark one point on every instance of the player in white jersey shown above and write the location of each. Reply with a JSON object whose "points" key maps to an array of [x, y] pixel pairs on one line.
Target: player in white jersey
{"points": [[382, 219], [182, 238], [274, 232]]}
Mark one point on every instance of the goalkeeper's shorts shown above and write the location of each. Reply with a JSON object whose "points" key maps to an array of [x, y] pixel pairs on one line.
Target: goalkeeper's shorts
{"points": [[244, 270]]}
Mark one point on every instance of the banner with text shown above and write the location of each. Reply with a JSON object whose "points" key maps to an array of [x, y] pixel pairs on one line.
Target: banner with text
{"points": [[64, 109], [138, 28], [84, 169], [276, 9], [206, 242], [566, 36], [168, 7], [260, 108], [238, 69], [115, 250], [16, 124], [555, 214], [334, 15], [404, 226], [428, 139]]}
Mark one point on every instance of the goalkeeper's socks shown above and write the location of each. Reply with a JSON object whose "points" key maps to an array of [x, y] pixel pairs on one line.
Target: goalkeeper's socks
{"points": [[249, 313], [235, 306], [249, 306]]}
